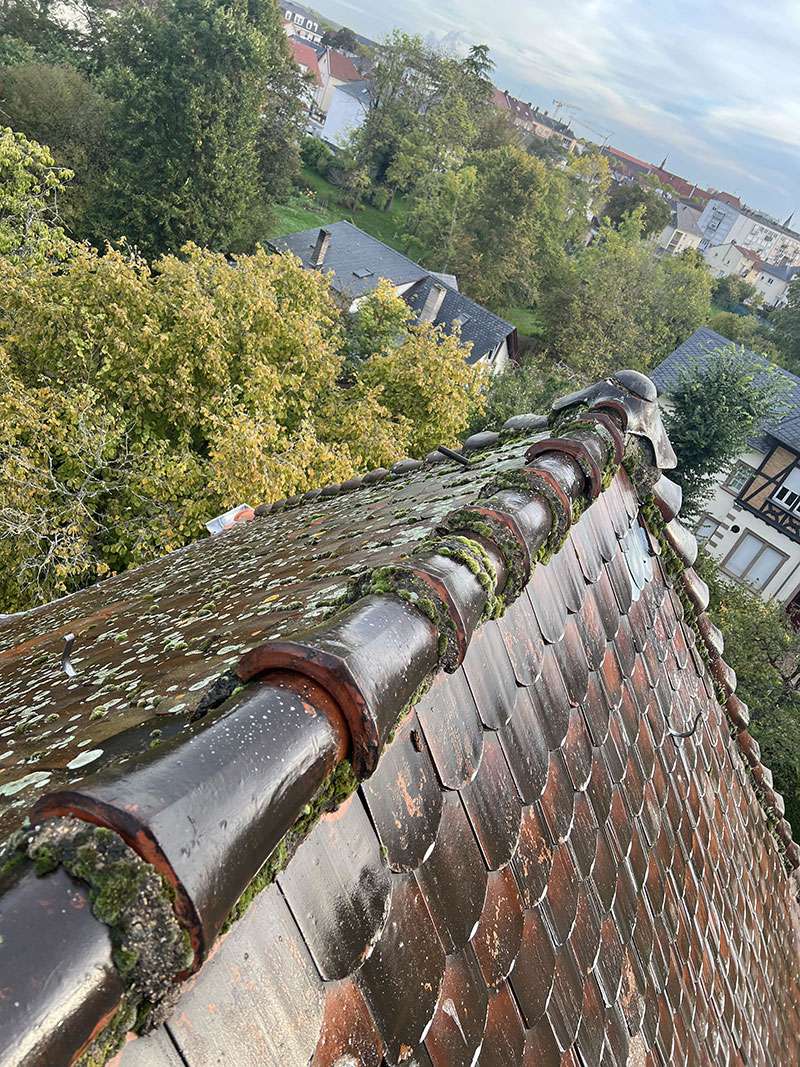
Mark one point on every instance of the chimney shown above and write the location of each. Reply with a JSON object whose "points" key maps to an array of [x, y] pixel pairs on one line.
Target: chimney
{"points": [[320, 248], [433, 302]]}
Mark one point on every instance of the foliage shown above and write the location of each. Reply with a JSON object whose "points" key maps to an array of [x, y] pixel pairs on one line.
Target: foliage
{"points": [[30, 184], [497, 223], [619, 306], [763, 647], [625, 199], [588, 178], [786, 329], [141, 400], [741, 329], [343, 38], [426, 110], [317, 156], [548, 149], [529, 388], [715, 406], [58, 106], [189, 152], [731, 290]]}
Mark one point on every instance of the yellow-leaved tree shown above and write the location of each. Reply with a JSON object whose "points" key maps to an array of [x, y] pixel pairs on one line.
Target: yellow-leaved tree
{"points": [[139, 400]]}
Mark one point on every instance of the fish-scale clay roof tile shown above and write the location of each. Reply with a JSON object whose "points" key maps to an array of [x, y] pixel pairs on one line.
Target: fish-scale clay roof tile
{"points": [[556, 853]]}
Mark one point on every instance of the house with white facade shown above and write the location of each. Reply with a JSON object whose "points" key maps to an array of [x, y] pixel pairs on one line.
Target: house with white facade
{"points": [[348, 107], [731, 258], [355, 262], [682, 231], [723, 222], [773, 283], [751, 524], [336, 69], [298, 21]]}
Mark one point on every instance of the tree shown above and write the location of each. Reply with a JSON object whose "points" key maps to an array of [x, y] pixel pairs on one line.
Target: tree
{"points": [[588, 178], [617, 305], [732, 290], [529, 388], [786, 329], [189, 81], [625, 199], [58, 106], [763, 646], [343, 38], [30, 184], [139, 400], [497, 222], [716, 405], [741, 329]]}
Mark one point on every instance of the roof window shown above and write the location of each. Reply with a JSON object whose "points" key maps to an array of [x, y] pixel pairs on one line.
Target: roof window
{"points": [[363, 272]]}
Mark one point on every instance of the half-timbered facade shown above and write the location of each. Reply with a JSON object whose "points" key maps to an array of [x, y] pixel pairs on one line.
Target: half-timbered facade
{"points": [[752, 522]]}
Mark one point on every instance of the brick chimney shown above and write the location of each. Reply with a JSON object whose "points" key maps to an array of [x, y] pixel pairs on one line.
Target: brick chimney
{"points": [[433, 302], [320, 248]]}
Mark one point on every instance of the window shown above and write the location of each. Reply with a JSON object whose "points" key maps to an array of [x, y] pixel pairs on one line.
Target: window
{"points": [[706, 528], [739, 477], [788, 496], [753, 561]]}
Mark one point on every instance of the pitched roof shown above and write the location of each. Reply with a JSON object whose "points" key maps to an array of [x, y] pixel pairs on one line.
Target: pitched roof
{"points": [[481, 328], [686, 219], [556, 845], [351, 250], [341, 66], [698, 348], [782, 271], [306, 56]]}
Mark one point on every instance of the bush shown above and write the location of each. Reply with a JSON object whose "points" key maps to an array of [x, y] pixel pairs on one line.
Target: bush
{"points": [[317, 156]]}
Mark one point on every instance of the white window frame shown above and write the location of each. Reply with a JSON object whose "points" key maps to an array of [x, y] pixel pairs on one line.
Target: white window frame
{"points": [[732, 483], [764, 545]]}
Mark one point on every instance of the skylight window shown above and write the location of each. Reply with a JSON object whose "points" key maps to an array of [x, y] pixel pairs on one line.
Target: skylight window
{"points": [[363, 272]]}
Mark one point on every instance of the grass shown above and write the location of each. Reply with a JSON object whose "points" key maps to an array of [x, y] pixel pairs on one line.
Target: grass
{"points": [[527, 320], [320, 208]]}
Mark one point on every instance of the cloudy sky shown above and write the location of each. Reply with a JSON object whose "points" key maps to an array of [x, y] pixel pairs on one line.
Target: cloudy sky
{"points": [[715, 86]]}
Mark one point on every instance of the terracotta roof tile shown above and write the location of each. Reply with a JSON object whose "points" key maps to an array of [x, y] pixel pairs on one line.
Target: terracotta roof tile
{"points": [[537, 868]]}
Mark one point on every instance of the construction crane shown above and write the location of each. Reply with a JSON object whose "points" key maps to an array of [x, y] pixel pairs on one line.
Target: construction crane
{"points": [[605, 134], [569, 107]]}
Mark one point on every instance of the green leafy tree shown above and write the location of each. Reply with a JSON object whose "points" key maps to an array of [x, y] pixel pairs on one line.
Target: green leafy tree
{"points": [[498, 223], [189, 81], [763, 646], [58, 106], [30, 184], [732, 290], [617, 305], [715, 406], [625, 199], [530, 387], [785, 331]]}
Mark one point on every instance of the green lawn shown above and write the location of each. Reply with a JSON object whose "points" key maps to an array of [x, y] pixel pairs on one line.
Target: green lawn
{"points": [[303, 212], [527, 320]]}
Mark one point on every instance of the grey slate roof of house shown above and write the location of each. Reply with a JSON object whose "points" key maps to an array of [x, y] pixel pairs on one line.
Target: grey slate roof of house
{"points": [[352, 250], [686, 219], [782, 271], [699, 347]]}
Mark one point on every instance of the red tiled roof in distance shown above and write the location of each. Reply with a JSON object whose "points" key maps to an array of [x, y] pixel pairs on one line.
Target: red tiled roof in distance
{"points": [[306, 57], [341, 66], [624, 155]]}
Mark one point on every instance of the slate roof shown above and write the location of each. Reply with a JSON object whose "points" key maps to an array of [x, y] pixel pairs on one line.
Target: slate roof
{"points": [[698, 348], [782, 271], [561, 849], [686, 219], [353, 250]]}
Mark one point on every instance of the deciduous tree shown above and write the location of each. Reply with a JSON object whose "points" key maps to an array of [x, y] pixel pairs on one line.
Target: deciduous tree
{"points": [[625, 199], [714, 407]]}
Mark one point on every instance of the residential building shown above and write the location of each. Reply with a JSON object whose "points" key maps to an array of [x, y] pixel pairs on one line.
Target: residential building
{"points": [[499, 807], [298, 21], [308, 61], [347, 109], [723, 222], [773, 283], [752, 522], [682, 232], [732, 258], [356, 262], [336, 69], [529, 119]]}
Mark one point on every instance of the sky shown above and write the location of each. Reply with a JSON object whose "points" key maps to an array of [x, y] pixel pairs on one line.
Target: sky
{"points": [[713, 86]]}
